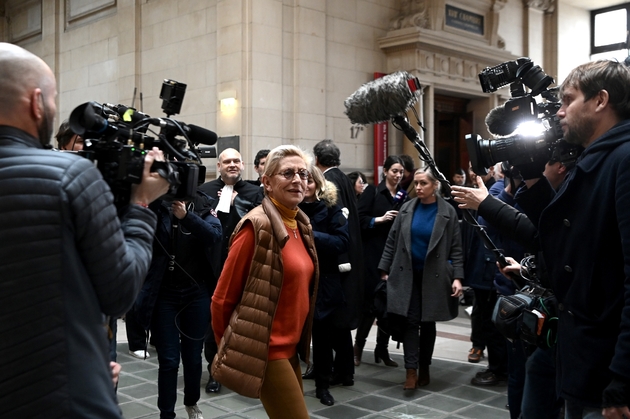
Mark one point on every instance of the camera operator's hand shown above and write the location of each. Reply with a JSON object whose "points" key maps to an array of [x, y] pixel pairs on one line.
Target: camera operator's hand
{"points": [[115, 367], [514, 268], [179, 209], [470, 198], [152, 185], [616, 412]]}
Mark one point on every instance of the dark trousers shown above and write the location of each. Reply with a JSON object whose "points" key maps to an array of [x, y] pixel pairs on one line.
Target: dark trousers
{"points": [[344, 354], [483, 330], [210, 347], [417, 348], [136, 335], [539, 394], [574, 410], [365, 324], [516, 376], [112, 325], [326, 339], [178, 326]]}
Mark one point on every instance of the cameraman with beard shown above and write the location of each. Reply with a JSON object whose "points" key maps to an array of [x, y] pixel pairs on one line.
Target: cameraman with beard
{"points": [[585, 239], [66, 256]]}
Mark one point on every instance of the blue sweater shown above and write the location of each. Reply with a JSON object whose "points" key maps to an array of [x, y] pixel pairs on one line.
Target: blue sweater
{"points": [[421, 230]]}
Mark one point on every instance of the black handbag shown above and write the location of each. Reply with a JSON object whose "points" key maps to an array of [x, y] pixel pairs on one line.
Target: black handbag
{"points": [[390, 323]]}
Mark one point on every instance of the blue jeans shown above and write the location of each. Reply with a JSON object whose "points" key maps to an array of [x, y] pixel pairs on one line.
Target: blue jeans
{"points": [[179, 314], [539, 394]]}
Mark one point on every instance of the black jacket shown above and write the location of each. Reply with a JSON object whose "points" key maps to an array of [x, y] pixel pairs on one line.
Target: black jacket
{"points": [[374, 202], [191, 244], [248, 197], [585, 238], [66, 259], [352, 282], [330, 230]]}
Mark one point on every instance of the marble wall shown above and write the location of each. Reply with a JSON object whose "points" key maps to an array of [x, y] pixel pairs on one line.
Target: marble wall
{"points": [[289, 63]]}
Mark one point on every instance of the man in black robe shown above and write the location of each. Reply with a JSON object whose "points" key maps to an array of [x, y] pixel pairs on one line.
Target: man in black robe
{"points": [[327, 159]]}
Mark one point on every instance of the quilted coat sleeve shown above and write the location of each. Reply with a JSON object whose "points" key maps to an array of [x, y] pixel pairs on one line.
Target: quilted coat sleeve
{"points": [[115, 252]]}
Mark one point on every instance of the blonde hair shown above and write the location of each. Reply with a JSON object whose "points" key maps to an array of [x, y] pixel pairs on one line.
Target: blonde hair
{"points": [[431, 177], [276, 155], [319, 179]]}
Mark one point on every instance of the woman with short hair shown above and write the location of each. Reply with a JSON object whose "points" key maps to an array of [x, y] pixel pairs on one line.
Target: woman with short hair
{"points": [[262, 308]]}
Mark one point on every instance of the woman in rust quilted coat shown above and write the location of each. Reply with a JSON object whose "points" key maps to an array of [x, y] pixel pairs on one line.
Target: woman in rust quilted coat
{"points": [[262, 309]]}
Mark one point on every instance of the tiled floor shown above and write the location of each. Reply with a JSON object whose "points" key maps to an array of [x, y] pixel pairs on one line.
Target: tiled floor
{"points": [[377, 392]]}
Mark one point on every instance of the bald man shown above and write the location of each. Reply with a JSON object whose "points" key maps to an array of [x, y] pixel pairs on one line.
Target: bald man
{"points": [[65, 257]]}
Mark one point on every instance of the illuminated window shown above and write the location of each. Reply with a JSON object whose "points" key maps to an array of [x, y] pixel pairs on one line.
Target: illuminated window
{"points": [[609, 35]]}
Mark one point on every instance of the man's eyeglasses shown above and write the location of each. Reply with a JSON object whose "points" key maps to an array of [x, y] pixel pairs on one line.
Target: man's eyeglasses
{"points": [[289, 174]]}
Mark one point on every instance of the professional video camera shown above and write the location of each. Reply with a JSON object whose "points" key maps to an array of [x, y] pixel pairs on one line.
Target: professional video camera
{"points": [[116, 139], [528, 133]]}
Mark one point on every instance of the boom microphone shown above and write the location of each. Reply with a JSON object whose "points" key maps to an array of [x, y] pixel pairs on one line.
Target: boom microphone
{"points": [[382, 99]]}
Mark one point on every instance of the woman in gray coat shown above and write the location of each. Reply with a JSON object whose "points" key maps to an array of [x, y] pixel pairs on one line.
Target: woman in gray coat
{"points": [[423, 266]]}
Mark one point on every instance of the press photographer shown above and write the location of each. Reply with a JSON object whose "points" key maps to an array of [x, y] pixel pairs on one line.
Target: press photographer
{"points": [[584, 235], [116, 139], [66, 256]]}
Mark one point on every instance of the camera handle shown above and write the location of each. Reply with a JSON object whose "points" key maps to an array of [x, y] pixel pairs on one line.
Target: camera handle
{"points": [[401, 122]]}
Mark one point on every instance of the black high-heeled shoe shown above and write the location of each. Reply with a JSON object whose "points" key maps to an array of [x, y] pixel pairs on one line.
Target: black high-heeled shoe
{"points": [[381, 353], [358, 352], [309, 374]]}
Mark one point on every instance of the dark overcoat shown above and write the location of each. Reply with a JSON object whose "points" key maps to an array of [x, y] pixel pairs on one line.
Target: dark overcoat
{"points": [[585, 238], [330, 231], [444, 263], [347, 317], [374, 202]]}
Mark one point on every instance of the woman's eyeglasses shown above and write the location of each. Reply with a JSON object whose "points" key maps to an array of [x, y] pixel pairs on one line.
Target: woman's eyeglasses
{"points": [[289, 174]]}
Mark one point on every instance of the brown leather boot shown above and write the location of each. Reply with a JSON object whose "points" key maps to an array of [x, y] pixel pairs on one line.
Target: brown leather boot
{"points": [[358, 352], [423, 376], [412, 379]]}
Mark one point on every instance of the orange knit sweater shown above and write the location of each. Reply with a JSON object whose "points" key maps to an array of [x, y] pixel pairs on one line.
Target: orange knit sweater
{"points": [[293, 304]]}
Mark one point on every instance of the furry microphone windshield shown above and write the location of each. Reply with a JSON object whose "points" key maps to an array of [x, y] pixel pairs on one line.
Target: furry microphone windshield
{"points": [[382, 99]]}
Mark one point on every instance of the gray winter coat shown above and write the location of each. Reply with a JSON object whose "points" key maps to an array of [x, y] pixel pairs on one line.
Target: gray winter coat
{"points": [[65, 260], [443, 264]]}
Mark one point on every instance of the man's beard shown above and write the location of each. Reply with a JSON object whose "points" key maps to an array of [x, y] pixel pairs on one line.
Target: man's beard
{"points": [[45, 129], [230, 179], [580, 133]]}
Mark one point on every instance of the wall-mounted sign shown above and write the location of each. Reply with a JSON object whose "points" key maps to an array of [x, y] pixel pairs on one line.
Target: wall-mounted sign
{"points": [[464, 20]]}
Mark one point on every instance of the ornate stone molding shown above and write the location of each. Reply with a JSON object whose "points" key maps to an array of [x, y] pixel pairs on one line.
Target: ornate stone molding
{"points": [[414, 13], [500, 42], [498, 5], [547, 6]]}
